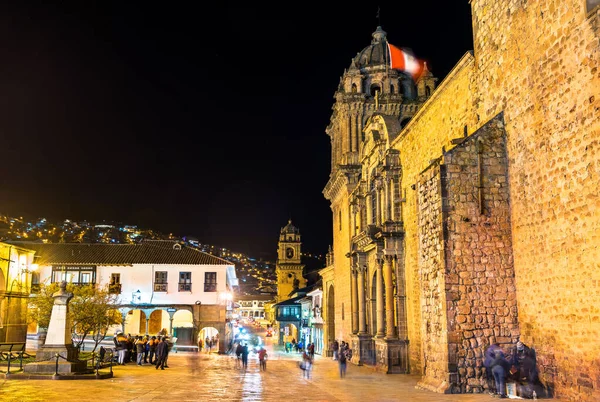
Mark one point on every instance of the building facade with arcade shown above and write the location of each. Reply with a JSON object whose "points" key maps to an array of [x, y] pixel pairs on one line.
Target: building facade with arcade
{"points": [[160, 285]]}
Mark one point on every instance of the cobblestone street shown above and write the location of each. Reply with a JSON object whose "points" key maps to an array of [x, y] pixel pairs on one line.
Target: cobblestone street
{"points": [[212, 377]]}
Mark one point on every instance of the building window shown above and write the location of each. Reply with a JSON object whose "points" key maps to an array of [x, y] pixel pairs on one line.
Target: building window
{"points": [[342, 311], [210, 281], [75, 275], [160, 281], [35, 282], [590, 5], [185, 281], [114, 287], [392, 89], [354, 88], [340, 219], [260, 304], [375, 89]]}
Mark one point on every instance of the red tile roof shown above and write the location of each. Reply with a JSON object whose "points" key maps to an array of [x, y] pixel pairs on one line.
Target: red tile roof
{"points": [[146, 252]]}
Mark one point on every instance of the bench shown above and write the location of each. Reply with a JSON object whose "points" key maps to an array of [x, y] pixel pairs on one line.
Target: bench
{"points": [[10, 351], [185, 348]]}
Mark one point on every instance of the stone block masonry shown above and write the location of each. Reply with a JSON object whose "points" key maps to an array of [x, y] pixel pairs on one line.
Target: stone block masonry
{"points": [[465, 255]]}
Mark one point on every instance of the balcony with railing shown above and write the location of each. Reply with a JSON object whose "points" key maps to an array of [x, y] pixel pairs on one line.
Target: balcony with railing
{"points": [[114, 288], [185, 286], [160, 287]]}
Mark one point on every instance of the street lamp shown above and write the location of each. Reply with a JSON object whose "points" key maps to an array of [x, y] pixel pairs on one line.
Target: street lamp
{"points": [[136, 297]]}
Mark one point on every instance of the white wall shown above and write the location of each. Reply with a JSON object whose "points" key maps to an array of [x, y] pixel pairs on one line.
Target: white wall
{"points": [[141, 277]]}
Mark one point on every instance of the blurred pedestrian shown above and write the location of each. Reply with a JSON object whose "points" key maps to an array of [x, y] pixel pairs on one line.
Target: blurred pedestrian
{"points": [[262, 358], [500, 368], [245, 356], [307, 365], [342, 364], [162, 349], [489, 356]]}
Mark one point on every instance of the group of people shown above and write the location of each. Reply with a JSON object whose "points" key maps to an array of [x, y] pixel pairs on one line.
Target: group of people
{"points": [[519, 367], [241, 353], [342, 353], [209, 343], [142, 349], [293, 346]]}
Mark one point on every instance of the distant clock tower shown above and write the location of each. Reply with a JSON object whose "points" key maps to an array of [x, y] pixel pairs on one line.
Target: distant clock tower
{"points": [[289, 267]]}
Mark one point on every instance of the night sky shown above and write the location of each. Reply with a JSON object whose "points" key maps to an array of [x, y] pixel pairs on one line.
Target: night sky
{"points": [[206, 122]]}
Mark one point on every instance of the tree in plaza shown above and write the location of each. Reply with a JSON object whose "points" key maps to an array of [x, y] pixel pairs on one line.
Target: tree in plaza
{"points": [[91, 310]]}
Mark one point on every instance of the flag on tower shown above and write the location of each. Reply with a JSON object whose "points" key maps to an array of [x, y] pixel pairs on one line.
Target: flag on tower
{"points": [[403, 59]]}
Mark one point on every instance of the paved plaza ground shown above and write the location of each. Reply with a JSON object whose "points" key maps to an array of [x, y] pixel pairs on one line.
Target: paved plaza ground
{"points": [[195, 376]]}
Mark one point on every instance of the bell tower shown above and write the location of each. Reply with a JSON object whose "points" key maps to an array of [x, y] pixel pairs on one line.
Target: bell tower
{"points": [[289, 266]]}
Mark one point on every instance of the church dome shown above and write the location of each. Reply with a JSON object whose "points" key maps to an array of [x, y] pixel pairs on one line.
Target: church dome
{"points": [[290, 229], [375, 54]]}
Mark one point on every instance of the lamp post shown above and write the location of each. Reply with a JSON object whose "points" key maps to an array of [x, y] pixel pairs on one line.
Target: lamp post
{"points": [[136, 297]]}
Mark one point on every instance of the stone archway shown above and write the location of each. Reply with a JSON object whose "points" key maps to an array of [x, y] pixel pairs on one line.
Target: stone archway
{"points": [[135, 322], [210, 333], [183, 327], [159, 319]]}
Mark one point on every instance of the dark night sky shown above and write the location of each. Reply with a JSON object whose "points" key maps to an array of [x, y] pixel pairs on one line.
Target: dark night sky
{"points": [[202, 122]]}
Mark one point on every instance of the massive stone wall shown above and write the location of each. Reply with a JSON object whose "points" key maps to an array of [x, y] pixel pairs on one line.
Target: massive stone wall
{"points": [[432, 280], [480, 287], [442, 118], [538, 62]]}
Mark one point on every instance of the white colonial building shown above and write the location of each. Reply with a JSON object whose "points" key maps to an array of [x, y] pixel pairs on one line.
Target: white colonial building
{"points": [[161, 284], [253, 307]]}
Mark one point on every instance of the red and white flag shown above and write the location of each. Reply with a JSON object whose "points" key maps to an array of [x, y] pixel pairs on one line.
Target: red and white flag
{"points": [[401, 59]]}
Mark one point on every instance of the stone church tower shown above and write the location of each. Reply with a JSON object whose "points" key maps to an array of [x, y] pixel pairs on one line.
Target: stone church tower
{"points": [[289, 267], [365, 196], [478, 221]]}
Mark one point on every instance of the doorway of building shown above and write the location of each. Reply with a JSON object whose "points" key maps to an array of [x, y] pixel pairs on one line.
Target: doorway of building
{"points": [[331, 315]]}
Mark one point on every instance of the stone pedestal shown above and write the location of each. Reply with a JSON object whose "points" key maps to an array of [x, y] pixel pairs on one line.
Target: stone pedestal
{"points": [[46, 361], [392, 356], [362, 349], [58, 341]]}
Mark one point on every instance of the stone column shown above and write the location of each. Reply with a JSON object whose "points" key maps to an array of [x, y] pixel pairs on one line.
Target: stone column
{"points": [[360, 284], [354, 295], [401, 293], [380, 304], [390, 330]]}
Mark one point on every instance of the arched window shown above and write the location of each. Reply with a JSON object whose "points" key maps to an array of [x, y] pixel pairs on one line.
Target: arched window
{"points": [[428, 91], [354, 88], [373, 202], [392, 89], [374, 89]]}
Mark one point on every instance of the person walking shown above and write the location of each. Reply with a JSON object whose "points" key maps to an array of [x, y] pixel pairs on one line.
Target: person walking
{"points": [[162, 349], [238, 355], [342, 364], [307, 362], [245, 356], [262, 358]]}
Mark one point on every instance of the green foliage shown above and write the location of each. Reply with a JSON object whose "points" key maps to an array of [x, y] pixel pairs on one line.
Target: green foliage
{"points": [[40, 307], [91, 310]]}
